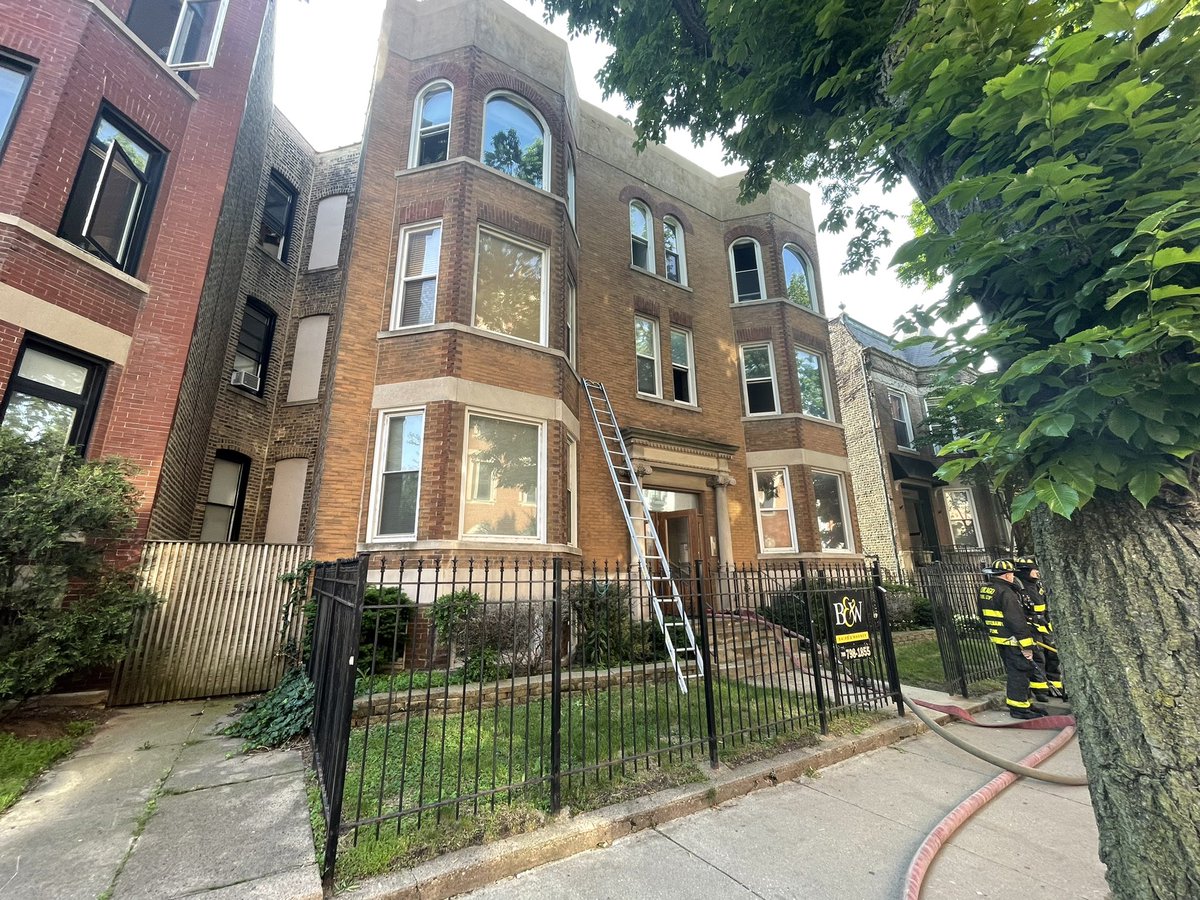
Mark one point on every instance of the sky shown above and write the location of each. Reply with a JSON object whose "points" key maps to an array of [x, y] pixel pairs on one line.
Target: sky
{"points": [[342, 37]]}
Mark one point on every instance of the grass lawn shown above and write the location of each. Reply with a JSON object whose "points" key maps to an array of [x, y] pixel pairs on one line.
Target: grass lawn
{"points": [[437, 759], [22, 758], [920, 665]]}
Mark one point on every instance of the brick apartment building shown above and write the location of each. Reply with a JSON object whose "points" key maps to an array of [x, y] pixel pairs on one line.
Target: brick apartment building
{"points": [[907, 516], [506, 241], [120, 122]]}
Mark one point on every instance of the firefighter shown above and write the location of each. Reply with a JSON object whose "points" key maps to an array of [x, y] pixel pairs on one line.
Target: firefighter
{"points": [[1045, 645], [1034, 608], [1004, 619]]}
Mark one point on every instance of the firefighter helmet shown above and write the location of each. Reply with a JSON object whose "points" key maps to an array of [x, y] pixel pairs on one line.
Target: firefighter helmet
{"points": [[999, 566], [1025, 563]]}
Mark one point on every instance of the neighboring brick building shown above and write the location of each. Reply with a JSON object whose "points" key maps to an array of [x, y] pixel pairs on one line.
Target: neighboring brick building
{"points": [[120, 121], [907, 516], [507, 242]]}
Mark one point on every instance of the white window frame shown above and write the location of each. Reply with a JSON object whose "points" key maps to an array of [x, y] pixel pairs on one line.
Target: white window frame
{"points": [[758, 260], [810, 276], [543, 327], [649, 238], [572, 311], [571, 186], [547, 148], [691, 366], [791, 510], [974, 513], [376, 505], [657, 358], [414, 149], [208, 61], [402, 278], [823, 367], [844, 503], [742, 348], [677, 226], [573, 490], [907, 418], [540, 537]]}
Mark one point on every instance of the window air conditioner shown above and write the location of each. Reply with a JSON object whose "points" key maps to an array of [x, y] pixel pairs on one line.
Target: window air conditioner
{"points": [[247, 380]]}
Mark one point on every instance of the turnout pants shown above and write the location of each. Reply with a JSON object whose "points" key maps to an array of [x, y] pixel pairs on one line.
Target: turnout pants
{"points": [[1038, 677], [1018, 669]]}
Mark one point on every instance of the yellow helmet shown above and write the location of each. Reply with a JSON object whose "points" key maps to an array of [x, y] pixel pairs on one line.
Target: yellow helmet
{"points": [[999, 566]]}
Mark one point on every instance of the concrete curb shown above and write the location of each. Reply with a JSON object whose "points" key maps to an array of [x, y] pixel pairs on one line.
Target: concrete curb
{"points": [[475, 867]]}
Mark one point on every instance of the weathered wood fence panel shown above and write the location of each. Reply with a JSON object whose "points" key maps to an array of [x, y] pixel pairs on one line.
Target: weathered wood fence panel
{"points": [[217, 629]]}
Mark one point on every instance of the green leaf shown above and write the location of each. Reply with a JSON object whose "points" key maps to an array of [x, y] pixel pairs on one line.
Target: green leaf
{"points": [[1022, 504], [1123, 423], [1144, 485], [1062, 499], [1058, 425], [1164, 434]]}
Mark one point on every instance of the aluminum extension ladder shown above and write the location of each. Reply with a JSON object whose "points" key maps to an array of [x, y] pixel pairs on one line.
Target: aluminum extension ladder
{"points": [[646, 544]]}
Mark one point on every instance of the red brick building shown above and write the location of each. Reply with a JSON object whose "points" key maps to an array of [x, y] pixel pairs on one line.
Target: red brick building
{"points": [[120, 121], [507, 242]]}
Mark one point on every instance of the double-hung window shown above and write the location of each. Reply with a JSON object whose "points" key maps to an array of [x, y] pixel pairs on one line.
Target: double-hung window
{"points": [[571, 185], [226, 497], [683, 368], [901, 421], [184, 33], [253, 351], [431, 128], [833, 527], [275, 232], [645, 348], [572, 322], [814, 387], [745, 262], [674, 257], [514, 140], [399, 446], [758, 379], [52, 395], [113, 196], [507, 455], [960, 511], [510, 287], [415, 298], [15, 75], [641, 236], [798, 279], [773, 504]]}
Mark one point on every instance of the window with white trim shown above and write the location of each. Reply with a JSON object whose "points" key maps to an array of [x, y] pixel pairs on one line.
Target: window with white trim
{"points": [[641, 236], [833, 525], [773, 506], [431, 125], [960, 513], [510, 287], [515, 141], [645, 347], [571, 185], [674, 254], [113, 195], [397, 482], [901, 420], [184, 33], [508, 456], [326, 248], [798, 281], [572, 323], [572, 493], [814, 385], [415, 299], [758, 379], [745, 262], [683, 367]]}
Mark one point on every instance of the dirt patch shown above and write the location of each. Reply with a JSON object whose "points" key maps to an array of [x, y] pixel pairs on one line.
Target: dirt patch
{"points": [[50, 723]]}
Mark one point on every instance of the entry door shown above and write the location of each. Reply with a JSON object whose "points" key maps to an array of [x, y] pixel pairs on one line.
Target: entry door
{"points": [[683, 542], [918, 513]]}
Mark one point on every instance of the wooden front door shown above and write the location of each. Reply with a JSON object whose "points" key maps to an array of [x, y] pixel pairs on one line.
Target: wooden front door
{"points": [[682, 536]]}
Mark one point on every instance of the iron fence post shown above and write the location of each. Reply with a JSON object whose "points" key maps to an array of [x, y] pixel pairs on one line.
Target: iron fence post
{"points": [[814, 652], [885, 635], [556, 694], [710, 709]]}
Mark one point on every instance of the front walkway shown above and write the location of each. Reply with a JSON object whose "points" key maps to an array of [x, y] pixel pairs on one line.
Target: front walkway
{"points": [[159, 805]]}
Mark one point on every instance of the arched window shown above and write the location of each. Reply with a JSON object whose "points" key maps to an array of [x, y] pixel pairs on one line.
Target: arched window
{"points": [[431, 124], [515, 140], [798, 281], [641, 233], [674, 255], [745, 262]]}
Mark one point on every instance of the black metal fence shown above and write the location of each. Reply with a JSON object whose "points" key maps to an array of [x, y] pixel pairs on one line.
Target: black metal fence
{"points": [[477, 685], [967, 654]]}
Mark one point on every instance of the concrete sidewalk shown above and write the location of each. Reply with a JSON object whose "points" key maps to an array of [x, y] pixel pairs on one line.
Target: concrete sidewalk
{"points": [[851, 831], [158, 805]]}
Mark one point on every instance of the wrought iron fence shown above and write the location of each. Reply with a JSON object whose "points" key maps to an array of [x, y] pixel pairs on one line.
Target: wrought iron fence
{"points": [[967, 654], [483, 684]]}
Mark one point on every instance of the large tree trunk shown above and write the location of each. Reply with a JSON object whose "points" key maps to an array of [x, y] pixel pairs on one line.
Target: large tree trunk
{"points": [[1125, 598]]}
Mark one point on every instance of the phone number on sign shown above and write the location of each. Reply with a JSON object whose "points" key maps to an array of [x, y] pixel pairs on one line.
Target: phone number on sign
{"points": [[860, 652]]}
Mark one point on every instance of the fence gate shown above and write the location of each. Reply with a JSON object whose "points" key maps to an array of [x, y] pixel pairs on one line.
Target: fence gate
{"points": [[967, 653], [217, 629]]}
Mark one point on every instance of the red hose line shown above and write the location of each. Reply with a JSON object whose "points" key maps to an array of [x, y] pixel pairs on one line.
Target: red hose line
{"points": [[929, 848]]}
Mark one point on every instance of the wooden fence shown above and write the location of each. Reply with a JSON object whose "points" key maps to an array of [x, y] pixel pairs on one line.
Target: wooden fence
{"points": [[217, 629]]}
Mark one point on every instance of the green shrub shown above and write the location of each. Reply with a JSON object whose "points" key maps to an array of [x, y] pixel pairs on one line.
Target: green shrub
{"points": [[606, 631], [384, 631], [451, 612], [908, 609], [280, 716], [65, 605], [504, 638]]}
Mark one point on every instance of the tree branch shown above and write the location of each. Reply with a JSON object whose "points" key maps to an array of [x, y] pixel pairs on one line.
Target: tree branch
{"points": [[691, 16]]}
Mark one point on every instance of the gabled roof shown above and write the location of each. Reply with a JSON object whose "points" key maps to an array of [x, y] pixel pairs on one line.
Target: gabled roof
{"points": [[922, 356]]}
